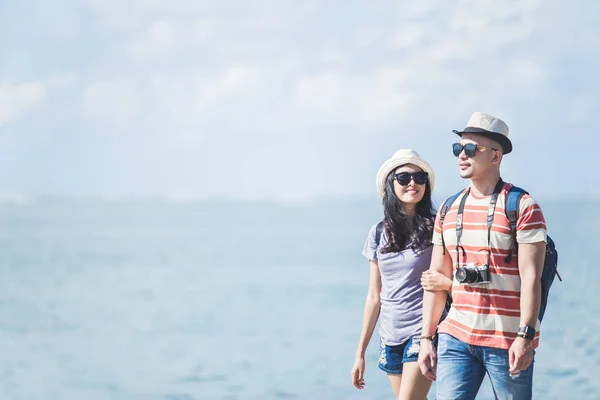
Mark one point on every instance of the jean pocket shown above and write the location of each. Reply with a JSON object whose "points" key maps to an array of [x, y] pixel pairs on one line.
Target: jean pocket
{"points": [[442, 344]]}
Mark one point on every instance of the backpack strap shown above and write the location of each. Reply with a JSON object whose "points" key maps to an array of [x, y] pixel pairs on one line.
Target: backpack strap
{"points": [[444, 210], [378, 232], [513, 198]]}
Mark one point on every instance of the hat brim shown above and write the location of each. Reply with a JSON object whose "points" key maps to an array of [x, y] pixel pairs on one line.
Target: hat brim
{"points": [[396, 162], [497, 137]]}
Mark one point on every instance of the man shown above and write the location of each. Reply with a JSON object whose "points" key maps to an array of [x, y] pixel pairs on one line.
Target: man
{"points": [[492, 325]]}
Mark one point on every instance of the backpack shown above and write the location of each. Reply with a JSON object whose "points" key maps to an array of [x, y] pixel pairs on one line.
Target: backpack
{"points": [[550, 269]]}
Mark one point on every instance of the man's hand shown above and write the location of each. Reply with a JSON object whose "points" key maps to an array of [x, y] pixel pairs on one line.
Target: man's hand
{"points": [[435, 282], [520, 355], [427, 359]]}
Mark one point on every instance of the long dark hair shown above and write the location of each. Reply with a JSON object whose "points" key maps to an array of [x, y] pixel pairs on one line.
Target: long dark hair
{"points": [[401, 230]]}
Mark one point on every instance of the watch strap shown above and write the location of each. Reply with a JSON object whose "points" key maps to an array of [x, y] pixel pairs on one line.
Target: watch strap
{"points": [[527, 332]]}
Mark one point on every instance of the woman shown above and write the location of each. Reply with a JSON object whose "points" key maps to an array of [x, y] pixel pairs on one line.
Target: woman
{"points": [[399, 258]]}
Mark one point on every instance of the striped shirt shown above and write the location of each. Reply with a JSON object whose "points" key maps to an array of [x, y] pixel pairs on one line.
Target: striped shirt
{"points": [[488, 314]]}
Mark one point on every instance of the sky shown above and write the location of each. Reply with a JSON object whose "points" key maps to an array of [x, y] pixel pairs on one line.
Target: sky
{"points": [[287, 99]]}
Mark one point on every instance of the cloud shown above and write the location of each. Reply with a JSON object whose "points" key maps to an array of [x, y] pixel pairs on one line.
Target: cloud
{"points": [[194, 82], [350, 99], [408, 36], [15, 99], [113, 100], [162, 38], [190, 104], [251, 70]]}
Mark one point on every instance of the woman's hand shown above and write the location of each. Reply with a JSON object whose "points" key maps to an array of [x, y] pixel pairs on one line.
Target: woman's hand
{"points": [[358, 373], [435, 282]]}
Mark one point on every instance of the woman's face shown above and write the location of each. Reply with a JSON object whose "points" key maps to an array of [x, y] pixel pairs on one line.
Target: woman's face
{"points": [[412, 192]]}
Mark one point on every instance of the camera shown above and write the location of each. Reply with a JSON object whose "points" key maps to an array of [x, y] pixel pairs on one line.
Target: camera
{"points": [[472, 274]]}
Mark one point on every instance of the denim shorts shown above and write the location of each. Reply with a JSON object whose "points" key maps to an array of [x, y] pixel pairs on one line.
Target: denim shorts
{"points": [[391, 358]]}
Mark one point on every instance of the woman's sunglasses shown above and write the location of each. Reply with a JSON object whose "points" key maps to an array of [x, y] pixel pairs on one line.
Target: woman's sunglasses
{"points": [[469, 148], [404, 178]]}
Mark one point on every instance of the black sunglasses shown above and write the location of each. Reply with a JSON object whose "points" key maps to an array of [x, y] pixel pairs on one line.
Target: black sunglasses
{"points": [[404, 178], [469, 148]]}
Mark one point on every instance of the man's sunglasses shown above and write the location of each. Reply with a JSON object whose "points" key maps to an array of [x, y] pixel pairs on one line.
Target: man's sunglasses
{"points": [[469, 148], [404, 178]]}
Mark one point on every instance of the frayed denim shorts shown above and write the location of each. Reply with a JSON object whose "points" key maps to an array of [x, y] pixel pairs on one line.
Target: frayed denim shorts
{"points": [[391, 358]]}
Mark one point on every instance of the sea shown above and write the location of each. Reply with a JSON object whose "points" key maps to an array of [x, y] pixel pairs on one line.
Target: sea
{"points": [[224, 300]]}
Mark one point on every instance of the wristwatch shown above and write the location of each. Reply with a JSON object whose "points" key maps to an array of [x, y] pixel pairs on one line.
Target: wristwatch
{"points": [[526, 332]]}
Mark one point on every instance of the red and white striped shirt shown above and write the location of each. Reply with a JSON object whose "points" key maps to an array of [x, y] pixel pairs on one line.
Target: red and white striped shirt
{"points": [[488, 314]]}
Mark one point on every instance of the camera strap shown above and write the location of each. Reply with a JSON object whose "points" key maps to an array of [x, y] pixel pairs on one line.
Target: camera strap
{"points": [[489, 221]]}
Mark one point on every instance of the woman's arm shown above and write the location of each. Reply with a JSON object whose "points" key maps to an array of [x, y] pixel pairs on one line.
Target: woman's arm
{"points": [[371, 314], [372, 306]]}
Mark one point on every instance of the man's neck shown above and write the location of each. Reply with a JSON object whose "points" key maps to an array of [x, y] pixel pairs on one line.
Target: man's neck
{"points": [[485, 186]]}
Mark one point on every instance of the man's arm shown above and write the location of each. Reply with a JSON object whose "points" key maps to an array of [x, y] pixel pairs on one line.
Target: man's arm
{"points": [[434, 301], [531, 263], [433, 306]]}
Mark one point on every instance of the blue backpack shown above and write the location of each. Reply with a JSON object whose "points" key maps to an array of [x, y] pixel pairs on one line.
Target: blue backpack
{"points": [[550, 269]]}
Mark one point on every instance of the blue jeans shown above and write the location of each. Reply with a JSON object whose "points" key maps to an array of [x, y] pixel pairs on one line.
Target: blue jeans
{"points": [[461, 368]]}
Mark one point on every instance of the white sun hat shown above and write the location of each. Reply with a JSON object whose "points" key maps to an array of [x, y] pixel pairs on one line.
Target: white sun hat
{"points": [[402, 157]]}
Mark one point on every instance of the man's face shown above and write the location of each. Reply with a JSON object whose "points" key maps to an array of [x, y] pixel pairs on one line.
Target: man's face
{"points": [[486, 157]]}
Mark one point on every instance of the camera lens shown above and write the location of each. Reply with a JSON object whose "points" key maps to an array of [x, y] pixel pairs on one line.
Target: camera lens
{"points": [[466, 275]]}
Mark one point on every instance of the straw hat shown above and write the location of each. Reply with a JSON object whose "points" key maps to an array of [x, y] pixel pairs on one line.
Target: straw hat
{"points": [[490, 127], [402, 157]]}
